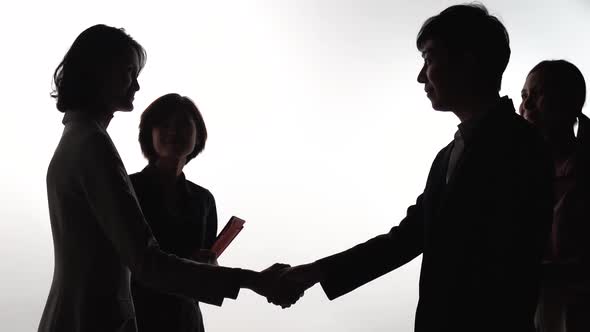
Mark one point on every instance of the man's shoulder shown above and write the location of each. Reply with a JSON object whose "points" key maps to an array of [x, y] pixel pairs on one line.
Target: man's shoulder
{"points": [[509, 129], [137, 179], [136, 176]]}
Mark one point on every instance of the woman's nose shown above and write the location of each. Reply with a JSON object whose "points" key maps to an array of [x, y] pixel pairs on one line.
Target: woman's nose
{"points": [[135, 85]]}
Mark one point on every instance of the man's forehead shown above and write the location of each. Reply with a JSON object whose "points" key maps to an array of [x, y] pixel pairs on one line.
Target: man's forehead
{"points": [[429, 46]]}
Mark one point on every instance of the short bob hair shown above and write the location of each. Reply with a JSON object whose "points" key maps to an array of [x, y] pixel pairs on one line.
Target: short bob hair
{"points": [[77, 78], [470, 28], [158, 112], [563, 80]]}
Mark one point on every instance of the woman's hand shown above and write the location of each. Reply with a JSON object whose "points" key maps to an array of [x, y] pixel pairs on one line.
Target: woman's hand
{"points": [[205, 256]]}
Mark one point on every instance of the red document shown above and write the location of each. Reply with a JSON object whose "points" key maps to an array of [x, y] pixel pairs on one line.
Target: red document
{"points": [[227, 235]]}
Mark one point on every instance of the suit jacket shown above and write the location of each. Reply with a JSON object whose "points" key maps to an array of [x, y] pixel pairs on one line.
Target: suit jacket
{"points": [[100, 236], [481, 234], [192, 226]]}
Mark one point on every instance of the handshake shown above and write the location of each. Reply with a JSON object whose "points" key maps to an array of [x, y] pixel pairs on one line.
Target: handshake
{"points": [[282, 284]]}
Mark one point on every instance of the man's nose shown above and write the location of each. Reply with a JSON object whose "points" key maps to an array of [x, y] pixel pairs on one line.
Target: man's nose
{"points": [[422, 75]]}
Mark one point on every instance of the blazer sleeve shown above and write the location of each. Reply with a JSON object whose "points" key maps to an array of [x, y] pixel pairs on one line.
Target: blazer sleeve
{"points": [[211, 220], [210, 235], [350, 269], [112, 201]]}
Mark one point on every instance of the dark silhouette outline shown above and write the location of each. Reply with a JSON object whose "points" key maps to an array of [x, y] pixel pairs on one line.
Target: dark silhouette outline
{"points": [[484, 216], [552, 99], [181, 214], [99, 231]]}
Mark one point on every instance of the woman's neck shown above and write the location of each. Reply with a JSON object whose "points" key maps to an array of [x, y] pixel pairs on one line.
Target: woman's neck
{"points": [[104, 119], [102, 115], [169, 169]]}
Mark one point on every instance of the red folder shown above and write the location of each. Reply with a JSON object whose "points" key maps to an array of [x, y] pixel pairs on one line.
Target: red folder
{"points": [[227, 235]]}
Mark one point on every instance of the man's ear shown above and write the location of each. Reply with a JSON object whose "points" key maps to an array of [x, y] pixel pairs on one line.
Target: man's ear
{"points": [[471, 67]]}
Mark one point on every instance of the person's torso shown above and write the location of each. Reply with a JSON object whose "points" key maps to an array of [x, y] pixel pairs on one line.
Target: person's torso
{"points": [[90, 289], [465, 275], [180, 229]]}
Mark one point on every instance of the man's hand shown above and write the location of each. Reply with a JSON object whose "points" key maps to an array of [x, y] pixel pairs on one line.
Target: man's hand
{"points": [[293, 282], [270, 284], [303, 276]]}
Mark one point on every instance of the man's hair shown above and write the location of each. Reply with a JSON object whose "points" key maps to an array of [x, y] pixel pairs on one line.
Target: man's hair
{"points": [[564, 81], [469, 28], [77, 79], [158, 112]]}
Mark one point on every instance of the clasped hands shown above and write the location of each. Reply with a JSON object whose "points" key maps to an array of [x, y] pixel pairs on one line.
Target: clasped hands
{"points": [[284, 285], [281, 284]]}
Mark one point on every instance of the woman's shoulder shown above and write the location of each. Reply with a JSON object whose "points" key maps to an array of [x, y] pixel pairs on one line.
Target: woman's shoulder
{"points": [[195, 189]]}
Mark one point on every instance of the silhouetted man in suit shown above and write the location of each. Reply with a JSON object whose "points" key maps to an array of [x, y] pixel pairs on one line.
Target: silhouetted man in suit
{"points": [[485, 213]]}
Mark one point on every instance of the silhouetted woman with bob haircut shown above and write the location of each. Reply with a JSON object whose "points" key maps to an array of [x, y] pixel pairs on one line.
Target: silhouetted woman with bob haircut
{"points": [[99, 232], [181, 214]]}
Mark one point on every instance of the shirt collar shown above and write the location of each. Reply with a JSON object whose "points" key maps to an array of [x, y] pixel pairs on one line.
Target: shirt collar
{"points": [[181, 183], [468, 128]]}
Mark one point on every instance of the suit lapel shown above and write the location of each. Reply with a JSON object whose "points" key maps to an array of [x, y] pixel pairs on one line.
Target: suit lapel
{"points": [[480, 143]]}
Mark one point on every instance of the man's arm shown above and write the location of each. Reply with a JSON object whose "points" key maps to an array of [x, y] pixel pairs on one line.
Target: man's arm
{"points": [[343, 272]]}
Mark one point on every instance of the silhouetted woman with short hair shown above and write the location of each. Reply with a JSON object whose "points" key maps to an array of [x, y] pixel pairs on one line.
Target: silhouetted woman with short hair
{"points": [[99, 231], [181, 214]]}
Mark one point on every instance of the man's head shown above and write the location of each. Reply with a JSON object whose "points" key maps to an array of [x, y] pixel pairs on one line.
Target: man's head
{"points": [[465, 51], [553, 96]]}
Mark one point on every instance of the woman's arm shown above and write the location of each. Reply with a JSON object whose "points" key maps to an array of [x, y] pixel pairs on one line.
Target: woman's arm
{"points": [[113, 202]]}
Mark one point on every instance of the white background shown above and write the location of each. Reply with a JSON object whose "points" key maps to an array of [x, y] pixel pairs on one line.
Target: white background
{"points": [[319, 134]]}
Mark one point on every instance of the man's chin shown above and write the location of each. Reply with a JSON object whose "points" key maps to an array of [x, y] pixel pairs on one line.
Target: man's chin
{"points": [[437, 106], [440, 107], [128, 107]]}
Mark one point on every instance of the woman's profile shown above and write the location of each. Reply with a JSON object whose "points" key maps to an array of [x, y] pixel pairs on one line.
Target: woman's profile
{"points": [[181, 214], [100, 235]]}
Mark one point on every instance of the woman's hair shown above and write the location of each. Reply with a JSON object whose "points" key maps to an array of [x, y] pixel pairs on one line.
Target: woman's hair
{"points": [[78, 78], [162, 109], [563, 80]]}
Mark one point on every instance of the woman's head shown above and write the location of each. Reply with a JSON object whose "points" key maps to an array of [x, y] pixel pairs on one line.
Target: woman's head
{"points": [[99, 71], [553, 95], [172, 127]]}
